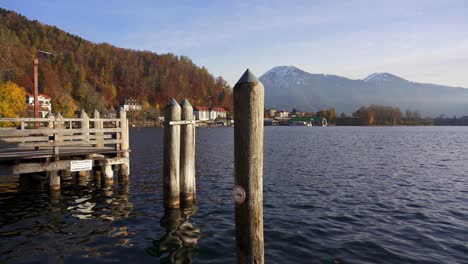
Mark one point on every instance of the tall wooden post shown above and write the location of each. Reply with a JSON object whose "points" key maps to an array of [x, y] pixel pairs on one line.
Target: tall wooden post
{"points": [[57, 136], [124, 147], [50, 125], [248, 167], [51, 117], [98, 125], [171, 162], [84, 123], [83, 175], [187, 157], [36, 92]]}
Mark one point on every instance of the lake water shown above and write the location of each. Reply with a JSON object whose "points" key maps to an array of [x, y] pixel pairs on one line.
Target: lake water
{"points": [[331, 195]]}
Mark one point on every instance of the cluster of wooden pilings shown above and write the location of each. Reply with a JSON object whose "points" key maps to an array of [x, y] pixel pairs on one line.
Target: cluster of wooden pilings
{"points": [[179, 163], [60, 147], [179, 187]]}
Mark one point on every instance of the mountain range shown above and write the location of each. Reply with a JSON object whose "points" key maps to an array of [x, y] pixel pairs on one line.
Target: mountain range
{"points": [[288, 87]]}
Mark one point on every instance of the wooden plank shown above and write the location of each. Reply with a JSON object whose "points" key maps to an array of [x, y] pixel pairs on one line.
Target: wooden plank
{"points": [[39, 167], [116, 161], [183, 122], [23, 139], [32, 120], [31, 153], [51, 166], [46, 138], [68, 143], [32, 132], [24, 119]]}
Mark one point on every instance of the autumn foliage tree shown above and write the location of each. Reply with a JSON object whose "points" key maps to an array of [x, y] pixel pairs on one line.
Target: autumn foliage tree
{"points": [[12, 100], [97, 76]]}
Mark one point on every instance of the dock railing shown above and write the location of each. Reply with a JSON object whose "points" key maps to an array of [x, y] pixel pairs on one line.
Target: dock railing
{"points": [[56, 132]]}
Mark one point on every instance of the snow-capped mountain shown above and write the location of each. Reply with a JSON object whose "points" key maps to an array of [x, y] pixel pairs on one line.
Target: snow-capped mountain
{"points": [[288, 87]]}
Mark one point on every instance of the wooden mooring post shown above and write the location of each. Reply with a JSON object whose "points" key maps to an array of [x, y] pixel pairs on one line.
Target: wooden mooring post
{"points": [[248, 167], [124, 167], [187, 157], [179, 155], [171, 163]]}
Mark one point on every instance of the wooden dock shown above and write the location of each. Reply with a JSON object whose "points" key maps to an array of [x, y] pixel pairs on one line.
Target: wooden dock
{"points": [[63, 145]]}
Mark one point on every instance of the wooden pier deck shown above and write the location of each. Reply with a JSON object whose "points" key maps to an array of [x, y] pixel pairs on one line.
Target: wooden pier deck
{"points": [[53, 144]]}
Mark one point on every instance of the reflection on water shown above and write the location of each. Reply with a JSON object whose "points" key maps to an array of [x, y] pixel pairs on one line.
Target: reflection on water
{"points": [[46, 225], [178, 243]]}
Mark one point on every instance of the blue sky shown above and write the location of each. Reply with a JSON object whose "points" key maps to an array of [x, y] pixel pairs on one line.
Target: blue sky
{"points": [[424, 41]]}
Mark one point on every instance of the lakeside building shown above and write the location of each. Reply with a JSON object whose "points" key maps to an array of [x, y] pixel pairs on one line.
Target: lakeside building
{"points": [[270, 112], [131, 104], [204, 113], [45, 106], [201, 113], [281, 114]]}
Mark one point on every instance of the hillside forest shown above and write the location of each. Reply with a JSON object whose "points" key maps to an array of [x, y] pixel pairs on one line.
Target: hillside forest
{"points": [[85, 75]]}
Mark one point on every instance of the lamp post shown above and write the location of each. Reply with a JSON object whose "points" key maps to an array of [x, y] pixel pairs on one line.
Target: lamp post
{"points": [[36, 84]]}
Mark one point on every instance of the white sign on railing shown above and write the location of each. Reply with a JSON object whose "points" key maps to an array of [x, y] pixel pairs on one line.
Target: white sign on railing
{"points": [[81, 165]]}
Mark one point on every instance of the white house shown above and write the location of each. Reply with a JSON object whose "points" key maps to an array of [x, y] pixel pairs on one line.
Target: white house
{"points": [[201, 113], [281, 114], [45, 106], [216, 112], [131, 104], [206, 113]]}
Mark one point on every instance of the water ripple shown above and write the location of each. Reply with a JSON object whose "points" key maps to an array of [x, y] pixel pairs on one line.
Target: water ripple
{"points": [[331, 195]]}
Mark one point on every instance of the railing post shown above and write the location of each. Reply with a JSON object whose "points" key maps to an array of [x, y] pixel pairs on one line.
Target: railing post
{"points": [[171, 162], [98, 125], [50, 126], [58, 126], [54, 178], [84, 124], [124, 147], [50, 123], [248, 167], [187, 157]]}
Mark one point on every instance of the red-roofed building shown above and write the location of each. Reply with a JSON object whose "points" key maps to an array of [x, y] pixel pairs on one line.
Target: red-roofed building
{"points": [[201, 113], [206, 113], [216, 112]]}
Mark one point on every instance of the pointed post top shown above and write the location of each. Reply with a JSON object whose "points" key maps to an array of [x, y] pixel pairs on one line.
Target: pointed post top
{"points": [[247, 77], [172, 102], [96, 113], [83, 113], [59, 115], [50, 115], [185, 102]]}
